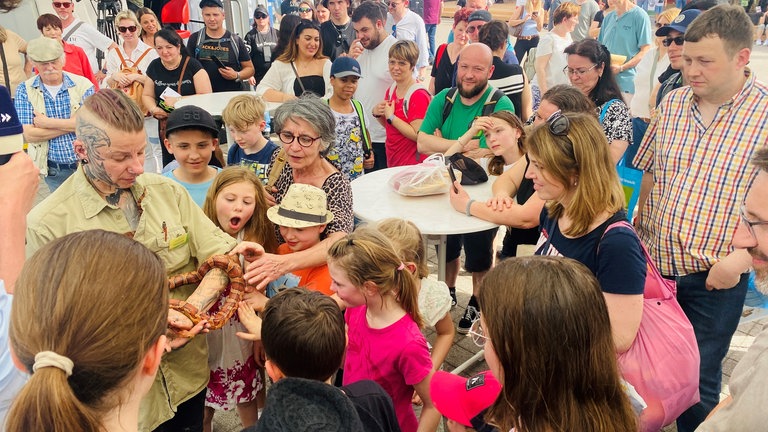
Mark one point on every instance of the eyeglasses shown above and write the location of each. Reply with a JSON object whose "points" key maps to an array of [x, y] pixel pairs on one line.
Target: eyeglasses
{"points": [[304, 140], [472, 29], [477, 333], [122, 29], [62, 4], [750, 224], [677, 40], [578, 72], [393, 5], [305, 10], [259, 16]]}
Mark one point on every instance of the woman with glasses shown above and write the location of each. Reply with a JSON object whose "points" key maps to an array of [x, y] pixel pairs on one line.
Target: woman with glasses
{"points": [[132, 52], [76, 61], [446, 55], [172, 75], [572, 170], [149, 25], [589, 70], [301, 68], [531, 18], [306, 128], [262, 39], [557, 369]]}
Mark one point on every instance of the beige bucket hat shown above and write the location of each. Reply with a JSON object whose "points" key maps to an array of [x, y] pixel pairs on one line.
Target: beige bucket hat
{"points": [[302, 206]]}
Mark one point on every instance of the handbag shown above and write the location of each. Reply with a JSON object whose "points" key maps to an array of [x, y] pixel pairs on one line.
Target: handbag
{"points": [[471, 172], [663, 362], [516, 30], [136, 89]]}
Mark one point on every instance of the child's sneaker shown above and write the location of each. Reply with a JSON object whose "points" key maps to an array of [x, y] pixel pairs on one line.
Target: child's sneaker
{"points": [[452, 292], [470, 316]]}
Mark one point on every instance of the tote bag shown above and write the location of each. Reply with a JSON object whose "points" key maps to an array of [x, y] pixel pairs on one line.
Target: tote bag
{"points": [[663, 361], [631, 178]]}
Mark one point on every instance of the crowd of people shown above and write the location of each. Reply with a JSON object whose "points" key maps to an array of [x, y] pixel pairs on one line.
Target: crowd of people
{"points": [[549, 103]]}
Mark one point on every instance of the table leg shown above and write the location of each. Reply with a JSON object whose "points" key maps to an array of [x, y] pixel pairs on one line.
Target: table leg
{"points": [[441, 245], [475, 358]]}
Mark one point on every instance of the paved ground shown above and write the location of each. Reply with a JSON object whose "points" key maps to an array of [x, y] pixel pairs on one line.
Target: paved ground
{"points": [[463, 347]]}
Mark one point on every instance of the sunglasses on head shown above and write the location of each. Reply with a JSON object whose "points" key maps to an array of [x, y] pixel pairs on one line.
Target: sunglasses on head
{"points": [[259, 16], [677, 41], [305, 10], [122, 29], [62, 5]]}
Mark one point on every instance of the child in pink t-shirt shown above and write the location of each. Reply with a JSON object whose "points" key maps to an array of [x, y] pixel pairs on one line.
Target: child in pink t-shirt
{"points": [[385, 340]]}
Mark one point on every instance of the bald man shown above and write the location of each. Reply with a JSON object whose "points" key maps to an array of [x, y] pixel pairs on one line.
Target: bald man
{"points": [[448, 133]]}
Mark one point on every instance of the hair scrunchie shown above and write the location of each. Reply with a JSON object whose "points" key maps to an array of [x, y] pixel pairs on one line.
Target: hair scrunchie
{"points": [[45, 359]]}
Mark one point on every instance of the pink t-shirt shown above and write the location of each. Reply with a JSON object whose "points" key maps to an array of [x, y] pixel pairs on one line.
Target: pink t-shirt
{"points": [[396, 357], [401, 150]]}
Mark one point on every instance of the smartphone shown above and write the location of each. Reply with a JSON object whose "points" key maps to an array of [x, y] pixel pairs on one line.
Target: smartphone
{"points": [[452, 175], [218, 62]]}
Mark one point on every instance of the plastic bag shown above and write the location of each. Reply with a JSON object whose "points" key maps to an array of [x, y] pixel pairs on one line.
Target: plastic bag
{"points": [[427, 178]]}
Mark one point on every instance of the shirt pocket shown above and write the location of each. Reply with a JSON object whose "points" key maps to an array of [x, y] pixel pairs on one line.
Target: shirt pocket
{"points": [[172, 246]]}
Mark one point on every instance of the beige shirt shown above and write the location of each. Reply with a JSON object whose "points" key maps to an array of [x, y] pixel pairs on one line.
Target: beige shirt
{"points": [[189, 238], [12, 47]]}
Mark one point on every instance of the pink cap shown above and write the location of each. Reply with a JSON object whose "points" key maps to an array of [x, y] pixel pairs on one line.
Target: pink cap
{"points": [[461, 399]]}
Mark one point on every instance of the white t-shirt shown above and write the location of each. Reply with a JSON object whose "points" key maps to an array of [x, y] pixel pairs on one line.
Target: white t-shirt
{"points": [[411, 27], [11, 379], [374, 65], [434, 301], [89, 39], [550, 43]]}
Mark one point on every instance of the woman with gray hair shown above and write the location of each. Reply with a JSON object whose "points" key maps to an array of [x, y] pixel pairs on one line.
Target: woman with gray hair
{"points": [[127, 65], [306, 128]]}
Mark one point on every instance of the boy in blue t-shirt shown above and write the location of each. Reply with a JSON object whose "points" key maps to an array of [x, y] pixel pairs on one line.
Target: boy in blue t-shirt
{"points": [[244, 117], [191, 136]]}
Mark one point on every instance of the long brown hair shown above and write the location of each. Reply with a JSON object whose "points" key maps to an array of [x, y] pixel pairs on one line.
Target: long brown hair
{"points": [[99, 299], [548, 325], [291, 52], [496, 163], [259, 228], [367, 256], [582, 152]]}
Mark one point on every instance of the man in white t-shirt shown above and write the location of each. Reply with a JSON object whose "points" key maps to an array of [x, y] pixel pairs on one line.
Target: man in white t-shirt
{"points": [[371, 49], [84, 35], [405, 24]]}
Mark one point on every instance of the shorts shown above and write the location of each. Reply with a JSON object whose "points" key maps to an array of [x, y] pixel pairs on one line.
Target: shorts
{"points": [[478, 249]]}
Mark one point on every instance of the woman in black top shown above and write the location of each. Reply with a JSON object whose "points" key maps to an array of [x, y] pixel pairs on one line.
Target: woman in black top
{"points": [[446, 54]]}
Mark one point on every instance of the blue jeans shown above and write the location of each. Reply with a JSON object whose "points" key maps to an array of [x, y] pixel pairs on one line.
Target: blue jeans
{"points": [[57, 174], [714, 315], [431, 29]]}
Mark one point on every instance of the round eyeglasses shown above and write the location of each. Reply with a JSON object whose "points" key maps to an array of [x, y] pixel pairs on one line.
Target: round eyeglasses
{"points": [[477, 333], [303, 140]]}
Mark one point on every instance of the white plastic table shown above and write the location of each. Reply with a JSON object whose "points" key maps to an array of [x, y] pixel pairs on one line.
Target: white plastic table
{"points": [[215, 103], [374, 200]]}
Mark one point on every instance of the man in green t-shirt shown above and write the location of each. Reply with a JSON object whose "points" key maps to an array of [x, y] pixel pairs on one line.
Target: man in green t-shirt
{"points": [[448, 133]]}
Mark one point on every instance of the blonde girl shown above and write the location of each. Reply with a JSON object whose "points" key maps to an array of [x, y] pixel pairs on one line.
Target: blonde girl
{"points": [[385, 340], [90, 365], [236, 203]]}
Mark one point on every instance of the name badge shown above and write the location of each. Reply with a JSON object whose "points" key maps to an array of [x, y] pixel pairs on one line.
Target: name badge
{"points": [[178, 242]]}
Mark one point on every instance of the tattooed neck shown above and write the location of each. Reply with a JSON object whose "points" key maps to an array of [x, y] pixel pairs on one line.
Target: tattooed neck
{"points": [[114, 198]]}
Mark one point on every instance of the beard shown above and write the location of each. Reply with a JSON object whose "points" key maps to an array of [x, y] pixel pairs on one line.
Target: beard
{"points": [[373, 42], [761, 272], [473, 91]]}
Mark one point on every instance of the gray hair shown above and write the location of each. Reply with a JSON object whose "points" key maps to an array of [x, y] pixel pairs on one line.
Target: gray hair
{"points": [[312, 110]]}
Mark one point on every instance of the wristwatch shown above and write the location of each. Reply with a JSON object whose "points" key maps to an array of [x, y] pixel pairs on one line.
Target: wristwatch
{"points": [[238, 77], [390, 118]]}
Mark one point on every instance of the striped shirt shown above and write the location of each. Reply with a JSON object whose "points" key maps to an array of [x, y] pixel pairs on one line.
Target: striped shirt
{"points": [[701, 174], [60, 149]]}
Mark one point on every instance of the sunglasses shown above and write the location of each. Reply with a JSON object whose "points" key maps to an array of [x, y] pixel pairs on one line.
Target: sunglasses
{"points": [[305, 10], [472, 29], [677, 41], [559, 125], [122, 29], [62, 5], [260, 16]]}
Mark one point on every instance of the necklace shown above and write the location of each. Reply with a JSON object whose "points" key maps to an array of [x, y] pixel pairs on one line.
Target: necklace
{"points": [[173, 67]]}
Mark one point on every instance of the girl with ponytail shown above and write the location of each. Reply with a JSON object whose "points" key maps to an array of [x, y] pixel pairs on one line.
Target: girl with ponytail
{"points": [[385, 341], [91, 341]]}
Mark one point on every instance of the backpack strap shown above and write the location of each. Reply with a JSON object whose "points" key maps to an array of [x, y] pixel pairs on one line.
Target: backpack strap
{"points": [[66, 37], [450, 98], [490, 102], [407, 99], [440, 51], [367, 147], [605, 109], [141, 57]]}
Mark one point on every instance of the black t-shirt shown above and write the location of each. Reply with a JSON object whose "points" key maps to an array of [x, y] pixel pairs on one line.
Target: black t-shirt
{"points": [[374, 406], [289, 7], [336, 39], [443, 71], [163, 78], [524, 191], [220, 48], [262, 47], [509, 79]]}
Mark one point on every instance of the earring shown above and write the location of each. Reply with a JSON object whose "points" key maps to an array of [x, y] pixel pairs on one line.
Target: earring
{"points": [[84, 161]]}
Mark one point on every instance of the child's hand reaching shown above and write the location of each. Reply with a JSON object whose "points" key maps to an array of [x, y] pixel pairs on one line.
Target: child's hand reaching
{"points": [[250, 320], [256, 300]]}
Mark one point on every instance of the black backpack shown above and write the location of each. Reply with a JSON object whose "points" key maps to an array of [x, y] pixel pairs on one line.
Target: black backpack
{"points": [[488, 106]]}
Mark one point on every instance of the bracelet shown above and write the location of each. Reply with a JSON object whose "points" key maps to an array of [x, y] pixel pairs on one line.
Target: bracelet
{"points": [[621, 68], [238, 77], [468, 210]]}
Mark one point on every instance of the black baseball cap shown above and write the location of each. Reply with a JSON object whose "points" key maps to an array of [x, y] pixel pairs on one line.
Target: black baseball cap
{"points": [[191, 117]]}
